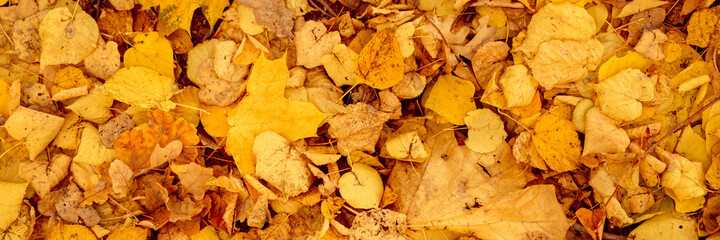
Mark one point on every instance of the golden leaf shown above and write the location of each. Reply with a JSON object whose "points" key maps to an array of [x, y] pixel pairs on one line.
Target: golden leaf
{"points": [[10, 202], [280, 164], [151, 51], [67, 231], [67, 37], [486, 130], [451, 97], [557, 142], [265, 109], [34, 129], [380, 63], [142, 87]]}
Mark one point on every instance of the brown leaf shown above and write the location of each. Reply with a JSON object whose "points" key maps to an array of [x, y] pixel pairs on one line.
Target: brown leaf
{"points": [[379, 224], [358, 129], [274, 15], [112, 129], [68, 208], [193, 180], [43, 175], [121, 175], [183, 209]]}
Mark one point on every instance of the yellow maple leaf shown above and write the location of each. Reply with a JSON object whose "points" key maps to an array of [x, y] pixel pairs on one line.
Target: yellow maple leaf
{"points": [[142, 87], [67, 37], [34, 129], [380, 62], [151, 51], [451, 97], [265, 109], [557, 142]]}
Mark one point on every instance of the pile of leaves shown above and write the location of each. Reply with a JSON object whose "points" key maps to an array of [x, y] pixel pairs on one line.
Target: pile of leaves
{"points": [[349, 119]]}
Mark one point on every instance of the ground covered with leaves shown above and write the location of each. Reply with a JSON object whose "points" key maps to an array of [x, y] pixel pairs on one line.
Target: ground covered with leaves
{"points": [[359, 119]]}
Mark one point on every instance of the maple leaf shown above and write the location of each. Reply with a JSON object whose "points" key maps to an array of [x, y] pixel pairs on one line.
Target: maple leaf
{"points": [[265, 109]]}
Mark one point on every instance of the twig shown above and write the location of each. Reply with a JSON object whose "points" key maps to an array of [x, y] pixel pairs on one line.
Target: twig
{"points": [[682, 125]]}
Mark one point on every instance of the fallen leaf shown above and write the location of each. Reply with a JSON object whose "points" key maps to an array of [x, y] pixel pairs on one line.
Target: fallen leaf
{"points": [[151, 51], [534, 207], [11, 202], [649, 45], [683, 180], [131, 232], [178, 14], [616, 64], [603, 134], [111, 130], [91, 150], [340, 65], [593, 221], [517, 86], [280, 164], [23, 226], [665, 226], [358, 129], [142, 87], [558, 62], [104, 61], [265, 109], [620, 96], [67, 37], [193, 180], [634, 7], [68, 231], [407, 146], [120, 175], [273, 14], [34, 129], [44, 175], [486, 131], [557, 21], [362, 187], [215, 120], [330, 207], [380, 224], [451, 97], [66, 79], [380, 63], [702, 26], [95, 106], [68, 208], [312, 42], [557, 142]]}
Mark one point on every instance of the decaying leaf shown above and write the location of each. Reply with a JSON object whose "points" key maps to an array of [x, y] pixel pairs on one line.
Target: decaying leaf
{"points": [[380, 63], [603, 135], [280, 164], [43, 175], [358, 129], [193, 180]]}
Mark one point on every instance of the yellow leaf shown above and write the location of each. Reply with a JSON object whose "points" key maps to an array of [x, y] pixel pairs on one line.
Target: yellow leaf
{"points": [[10, 202], [190, 103], [44, 175], [265, 109], [67, 78], [207, 233], [151, 51], [380, 62], [600, 13], [198, 55], [94, 107], [330, 207], [437, 7], [451, 97], [683, 180], [362, 187], [517, 86], [312, 41], [91, 150], [616, 64], [340, 65], [215, 121], [4, 98], [67, 36], [129, 233], [561, 21], [603, 134], [33, 128], [696, 69], [175, 15], [142, 87], [702, 27], [193, 179], [486, 131], [71, 232], [246, 19], [407, 146], [557, 142], [637, 6], [280, 164], [691, 145], [666, 226], [619, 96], [497, 15]]}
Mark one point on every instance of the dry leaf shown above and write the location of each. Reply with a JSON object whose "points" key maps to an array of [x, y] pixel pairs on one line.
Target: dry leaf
{"points": [[34, 129], [380, 63], [91, 150], [486, 131], [193, 180], [665, 226], [619, 96], [11, 202], [120, 175], [112, 129], [451, 97], [603, 134], [637, 6], [151, 51], [104, 61], [273, 14], [142, 87], [358, 129], [517, 86], [68, 208], [379, 224], [340, 64], [280, 164], [362, 187], [67, 231], [312, 42], [557, 142], [43, 175], [95, 106], [67, 37], [265, 109]]}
